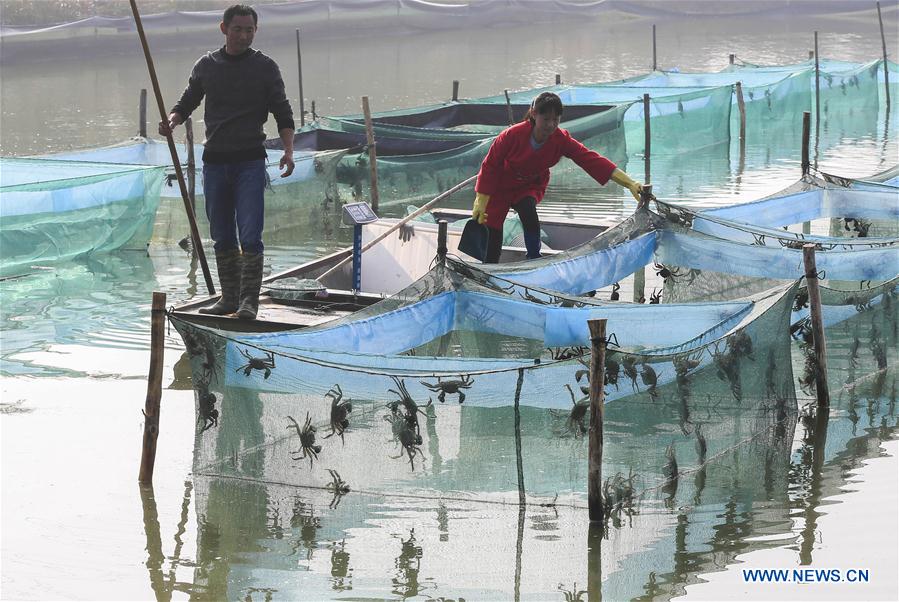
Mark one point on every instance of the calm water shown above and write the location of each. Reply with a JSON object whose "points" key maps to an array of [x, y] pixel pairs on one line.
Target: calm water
{"points": [[75, 354]]}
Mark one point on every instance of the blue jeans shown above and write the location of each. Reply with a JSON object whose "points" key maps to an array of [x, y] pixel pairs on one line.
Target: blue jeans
{"points": [[234, 204]]}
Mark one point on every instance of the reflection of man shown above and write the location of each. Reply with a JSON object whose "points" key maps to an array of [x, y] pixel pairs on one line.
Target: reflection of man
{"points": [[242, 86]]}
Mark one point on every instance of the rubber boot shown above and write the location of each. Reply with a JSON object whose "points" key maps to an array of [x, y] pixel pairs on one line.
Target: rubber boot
{"points": [[532, 244], [228, 263], [250, 283]]}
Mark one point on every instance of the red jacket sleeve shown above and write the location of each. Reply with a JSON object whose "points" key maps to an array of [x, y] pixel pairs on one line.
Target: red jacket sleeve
{"points": [[490, 174], [599, 168]]}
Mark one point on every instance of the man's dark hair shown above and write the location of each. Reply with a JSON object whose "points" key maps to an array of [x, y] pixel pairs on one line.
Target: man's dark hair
{"points": [[241, 10], [545, 102]]}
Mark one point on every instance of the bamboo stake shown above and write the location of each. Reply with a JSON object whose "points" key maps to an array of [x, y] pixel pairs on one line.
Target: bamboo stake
{"points": [[655, 65], [509, 108], [741, 105], [455, 90], [154, 388], [142, 114], [597, 380], [647, 138], [814, 299], [300, 78], [402, 222], [442, 226], [806, 134], [372, 154], [194, 232], [886, 69]]}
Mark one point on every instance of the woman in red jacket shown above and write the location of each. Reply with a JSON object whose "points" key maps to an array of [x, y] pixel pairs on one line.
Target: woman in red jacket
{"points": [[516, 171]]}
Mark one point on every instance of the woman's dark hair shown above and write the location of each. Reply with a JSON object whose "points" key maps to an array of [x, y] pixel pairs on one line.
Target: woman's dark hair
{"points": [[241, 10], [545, 102]]}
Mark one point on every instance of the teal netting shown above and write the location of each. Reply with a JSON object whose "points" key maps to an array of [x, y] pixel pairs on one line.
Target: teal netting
{"points": [[51, 210]]}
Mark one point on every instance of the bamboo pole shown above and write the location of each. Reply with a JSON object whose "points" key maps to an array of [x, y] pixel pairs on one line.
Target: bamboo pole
{"points": [[372, 153], [814, 299], [886, 69], [441, 241], [519, 462], [647, 138], [194, 232], [300, 78], [154, 388], [142, 114], [655, 65], [402, 222], [191, 164], [806, 134], [455, 90], [509, 108], [597, 380]]}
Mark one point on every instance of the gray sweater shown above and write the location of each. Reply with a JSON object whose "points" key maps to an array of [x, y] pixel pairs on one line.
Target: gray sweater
{"points": [[240, 92]]}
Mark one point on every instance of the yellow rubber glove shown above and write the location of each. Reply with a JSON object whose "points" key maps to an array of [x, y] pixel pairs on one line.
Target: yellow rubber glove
{"points": [[479, 211], [622, 179]]}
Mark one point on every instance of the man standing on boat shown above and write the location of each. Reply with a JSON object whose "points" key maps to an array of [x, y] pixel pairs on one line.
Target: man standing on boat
{"points": [[241, 86], [515, 173]]}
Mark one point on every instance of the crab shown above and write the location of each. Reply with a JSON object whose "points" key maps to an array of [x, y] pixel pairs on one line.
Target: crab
{"points": [[405, 407], [307, 440], [408, 436], [650, 379], [337, 486], [615, 295], [577, 415], [207, 415], [701, 445], [566, 353], [339, 411], [265, 364], [574, 595], [666, 273], [728, 369], [630, 370], [449, 386], [655, 298]]}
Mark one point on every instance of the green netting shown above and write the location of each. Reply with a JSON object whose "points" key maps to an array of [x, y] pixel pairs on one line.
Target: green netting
{"points": [[52, 210]]}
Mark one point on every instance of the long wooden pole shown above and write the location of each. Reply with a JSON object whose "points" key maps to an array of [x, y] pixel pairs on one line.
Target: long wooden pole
{"points": [[655, 65], [154, 388], [597, 380], [886, 67], [194, 232], [372, 153], [403, 222], [814, 300], [300, 78], [191, 163]]}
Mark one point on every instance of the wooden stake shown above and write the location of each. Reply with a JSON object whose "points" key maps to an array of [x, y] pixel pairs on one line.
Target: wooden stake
{"points": [[142, 114], [314, 116], [817, 86], [814, 300], [655, 65], [741, 105], [806, 134], [886, 67], [300, 78], [509, 108], [194, 232], [154, 388], [441, 241], [455, 90], [558, 79], [647, 138], [372, 154], [597, 380]]}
